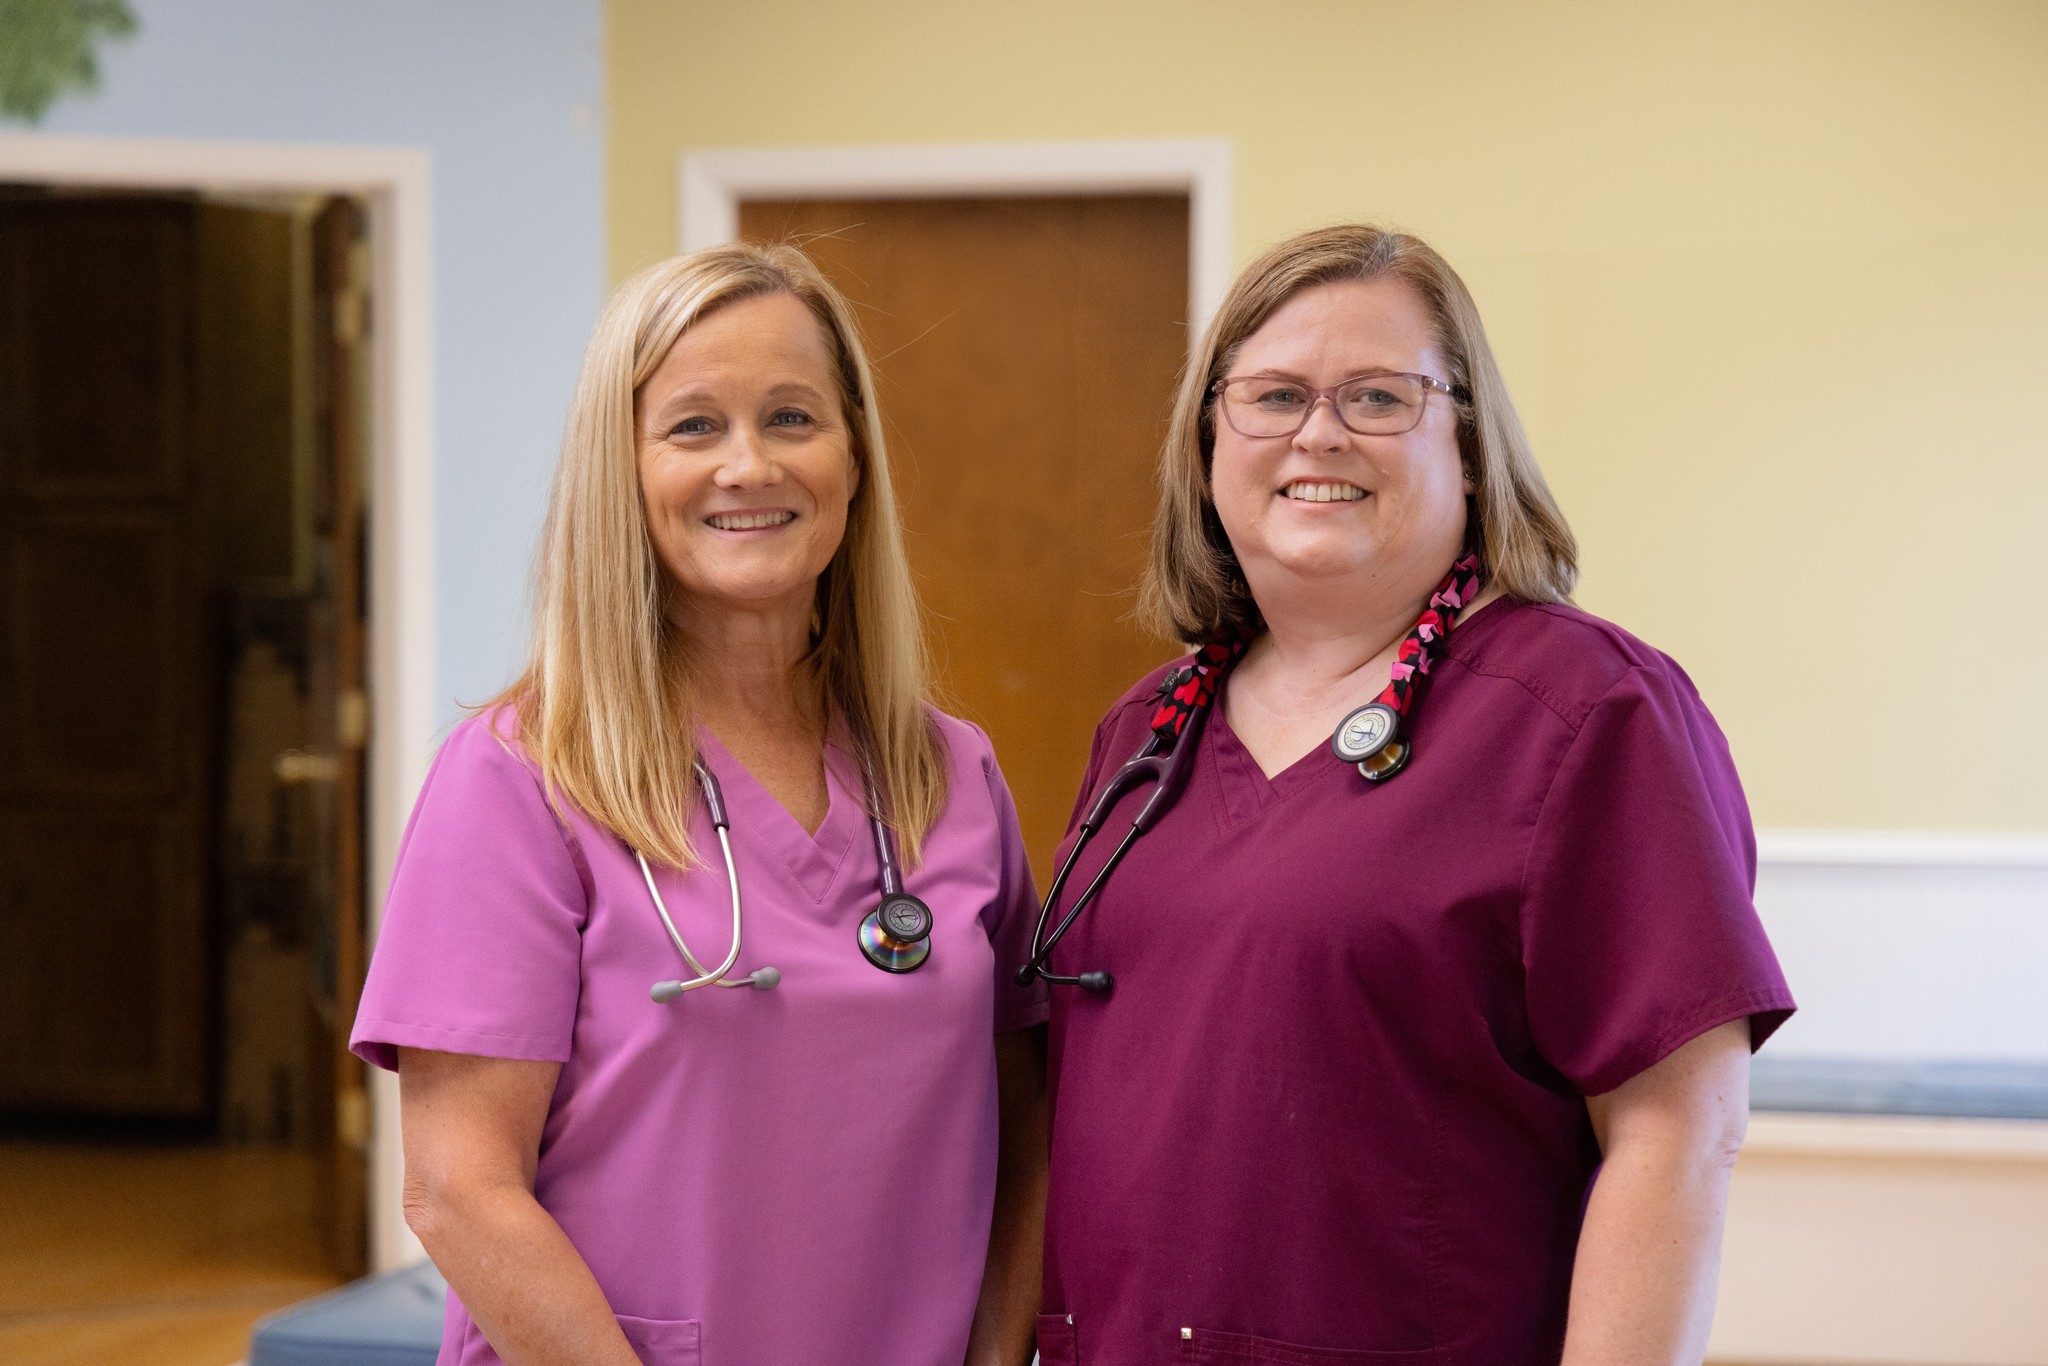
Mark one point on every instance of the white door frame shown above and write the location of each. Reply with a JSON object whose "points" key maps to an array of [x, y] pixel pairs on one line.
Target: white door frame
{"points": [[396, 183], [710, 186]]}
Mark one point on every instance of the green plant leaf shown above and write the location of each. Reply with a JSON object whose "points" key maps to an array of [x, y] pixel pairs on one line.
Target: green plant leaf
{"points": [[46, 49]]}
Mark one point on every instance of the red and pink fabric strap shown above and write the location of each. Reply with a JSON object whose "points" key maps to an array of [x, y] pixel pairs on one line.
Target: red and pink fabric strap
{"points": [[1425, 639], [1192, 687]]}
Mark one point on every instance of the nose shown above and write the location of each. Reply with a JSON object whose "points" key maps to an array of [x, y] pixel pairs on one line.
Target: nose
{"points": [[1320, 429], [746, 463]]}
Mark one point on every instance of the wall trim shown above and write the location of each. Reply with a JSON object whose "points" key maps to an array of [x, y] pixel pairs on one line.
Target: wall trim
{"points": [[1900, 849], [397, 185], [1899, 1136], [1909, 947], [711, 184]]}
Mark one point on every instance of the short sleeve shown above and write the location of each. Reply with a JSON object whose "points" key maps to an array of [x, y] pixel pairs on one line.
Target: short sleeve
{"points": [[1119, 726], [1639, 931], [1093, 773], [1014, 913], [480, 948]]}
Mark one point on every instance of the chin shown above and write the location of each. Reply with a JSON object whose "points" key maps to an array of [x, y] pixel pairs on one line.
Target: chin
{"points": [[1331, 558]]}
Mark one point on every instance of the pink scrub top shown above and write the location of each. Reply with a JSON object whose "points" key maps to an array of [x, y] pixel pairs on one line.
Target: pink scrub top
{"points": [[797, 1175], [1334, 1109]]}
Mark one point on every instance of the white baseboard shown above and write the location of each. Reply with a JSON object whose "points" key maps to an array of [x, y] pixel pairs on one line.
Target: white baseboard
{"points": [[1909, 946]]}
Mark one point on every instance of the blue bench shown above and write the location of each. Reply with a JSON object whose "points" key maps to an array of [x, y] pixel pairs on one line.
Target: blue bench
{"points": [[388, 1320], [1853, 1086]]}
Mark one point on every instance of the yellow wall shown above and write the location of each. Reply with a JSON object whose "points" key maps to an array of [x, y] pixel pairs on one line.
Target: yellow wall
{"points": [[1769, 281]]}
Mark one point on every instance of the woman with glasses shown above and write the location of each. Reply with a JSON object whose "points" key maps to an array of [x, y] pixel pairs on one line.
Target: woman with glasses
{"points": [[1416, 1028]]}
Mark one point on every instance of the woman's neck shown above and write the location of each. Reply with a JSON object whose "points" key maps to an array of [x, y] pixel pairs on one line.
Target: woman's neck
{"points": [[747, 675], [1323, 652], [1319, 643]]}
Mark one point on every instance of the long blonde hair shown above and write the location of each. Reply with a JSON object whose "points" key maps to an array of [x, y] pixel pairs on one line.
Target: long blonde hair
{"points": [[604, 706], [1193, 590]]}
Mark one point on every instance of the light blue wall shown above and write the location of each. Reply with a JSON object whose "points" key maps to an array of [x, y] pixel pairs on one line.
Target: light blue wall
{"points": [[508, 98]]}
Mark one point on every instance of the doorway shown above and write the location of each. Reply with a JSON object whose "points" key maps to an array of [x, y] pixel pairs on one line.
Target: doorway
{"points": [[183, 716], [1025, 351]]}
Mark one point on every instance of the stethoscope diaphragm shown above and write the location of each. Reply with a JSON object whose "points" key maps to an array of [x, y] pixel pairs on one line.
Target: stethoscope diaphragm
{"points": [[1364, 733], [896, 935]]}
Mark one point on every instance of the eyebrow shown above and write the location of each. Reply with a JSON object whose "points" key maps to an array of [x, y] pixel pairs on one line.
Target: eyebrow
{"points": [[1273, 372], [689, 398]]}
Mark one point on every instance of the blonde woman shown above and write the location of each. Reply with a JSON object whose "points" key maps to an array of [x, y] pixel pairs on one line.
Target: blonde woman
{"points": [[695, 968], [1441, 975]]}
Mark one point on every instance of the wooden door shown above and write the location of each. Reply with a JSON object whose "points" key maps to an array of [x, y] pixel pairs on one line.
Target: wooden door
{"points": [[104, 955], [1025, 351], [340, 706]]}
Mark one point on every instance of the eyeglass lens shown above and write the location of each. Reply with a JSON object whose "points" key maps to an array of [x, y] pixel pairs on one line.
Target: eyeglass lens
{"points": [[1375, 405]]}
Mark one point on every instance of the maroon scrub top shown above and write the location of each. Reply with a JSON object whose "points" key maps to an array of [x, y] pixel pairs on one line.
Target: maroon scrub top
{"points": [[1334, 1109]]}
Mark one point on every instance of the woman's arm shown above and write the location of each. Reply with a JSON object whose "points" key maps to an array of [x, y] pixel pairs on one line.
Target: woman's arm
{"points": [[1006, 1316], [472, 1129], [1650, 1253]]}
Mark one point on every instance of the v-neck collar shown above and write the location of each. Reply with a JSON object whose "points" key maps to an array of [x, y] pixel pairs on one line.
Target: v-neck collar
{"points": [[762, 827], [1243, 789]]}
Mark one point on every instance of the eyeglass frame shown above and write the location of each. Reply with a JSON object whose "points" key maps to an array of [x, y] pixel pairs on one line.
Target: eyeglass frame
{"points": [[1457, 393]]}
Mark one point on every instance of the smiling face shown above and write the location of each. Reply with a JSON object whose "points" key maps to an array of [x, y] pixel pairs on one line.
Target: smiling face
{"points": [[746, 458], [1328, 511]]}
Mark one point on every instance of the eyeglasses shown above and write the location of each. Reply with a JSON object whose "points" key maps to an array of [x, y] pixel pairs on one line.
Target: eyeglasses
{"points": [[1262, 406]]}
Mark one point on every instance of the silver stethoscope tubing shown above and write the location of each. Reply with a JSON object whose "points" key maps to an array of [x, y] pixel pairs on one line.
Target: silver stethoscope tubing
{"points": [[761, 978], [895, 936]]}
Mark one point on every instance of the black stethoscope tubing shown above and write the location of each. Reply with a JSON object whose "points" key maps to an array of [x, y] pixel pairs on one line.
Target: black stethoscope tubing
{"points": [[1170, 771]]}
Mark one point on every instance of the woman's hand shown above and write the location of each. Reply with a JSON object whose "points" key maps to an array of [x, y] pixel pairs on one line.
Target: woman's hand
{"points": [[472, 1130], [1006, 1315], [1650, 1253]]}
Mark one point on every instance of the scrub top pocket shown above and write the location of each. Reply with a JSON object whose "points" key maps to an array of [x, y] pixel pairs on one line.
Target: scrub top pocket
{"points": [[664, 1342], [1056, 1346], [1240, 1349]]}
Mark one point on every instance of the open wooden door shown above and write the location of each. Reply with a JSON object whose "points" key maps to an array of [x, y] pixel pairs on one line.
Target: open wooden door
{"points": [[340, 705], [105, 957], [1026, 351]]}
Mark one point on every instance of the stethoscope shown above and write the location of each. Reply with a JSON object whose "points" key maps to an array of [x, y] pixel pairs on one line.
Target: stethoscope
{"points": [[896, 936], [1373, 737]]}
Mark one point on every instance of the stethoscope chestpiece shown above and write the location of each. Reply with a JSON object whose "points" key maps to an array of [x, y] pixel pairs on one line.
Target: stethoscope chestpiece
{"points": [[1384, 762], [1371, 738], [896, 936], [1364, 733]]}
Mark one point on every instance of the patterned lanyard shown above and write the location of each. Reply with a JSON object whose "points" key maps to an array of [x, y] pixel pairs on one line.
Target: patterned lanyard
{"points": [[1371, 735]]}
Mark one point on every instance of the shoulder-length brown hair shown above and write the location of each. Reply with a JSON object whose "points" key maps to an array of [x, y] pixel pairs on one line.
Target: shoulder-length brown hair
{"points": [[604, 707], [1194, 591]]}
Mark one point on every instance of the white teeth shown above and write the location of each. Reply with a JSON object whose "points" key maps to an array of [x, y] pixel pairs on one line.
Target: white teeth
{"points": [[1309, 492], [749, 521]]}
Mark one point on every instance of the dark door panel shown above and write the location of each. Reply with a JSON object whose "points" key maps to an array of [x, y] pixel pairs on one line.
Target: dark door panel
{"points": [[102, 317], [95, 692], [102, 964], [104, 664]]}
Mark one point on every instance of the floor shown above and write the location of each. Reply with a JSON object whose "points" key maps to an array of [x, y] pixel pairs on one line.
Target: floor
{"points": [[113, 1254]]}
